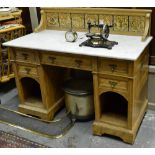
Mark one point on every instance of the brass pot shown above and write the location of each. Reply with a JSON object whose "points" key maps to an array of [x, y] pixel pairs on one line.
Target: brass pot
{"points": [[79, 98]]}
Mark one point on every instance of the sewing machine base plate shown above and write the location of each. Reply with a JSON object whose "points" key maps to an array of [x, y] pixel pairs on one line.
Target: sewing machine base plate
{"points": [[99, 43]]}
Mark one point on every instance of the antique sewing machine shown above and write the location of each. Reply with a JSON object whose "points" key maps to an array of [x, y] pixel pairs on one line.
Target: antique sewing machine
{"points": [[98, 40]]}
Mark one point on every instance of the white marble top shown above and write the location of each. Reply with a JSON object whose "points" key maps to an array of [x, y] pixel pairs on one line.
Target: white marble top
{"points": [[128, 48]]}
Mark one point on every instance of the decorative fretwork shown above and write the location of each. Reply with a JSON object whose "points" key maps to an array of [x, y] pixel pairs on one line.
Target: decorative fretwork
{"points": [[136, 24], [65, 20], [78, 21], [52, 20], [121, 23]]}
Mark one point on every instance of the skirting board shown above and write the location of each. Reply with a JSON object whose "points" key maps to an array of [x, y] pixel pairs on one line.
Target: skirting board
{"points": [[151, 69], [151, 106]]}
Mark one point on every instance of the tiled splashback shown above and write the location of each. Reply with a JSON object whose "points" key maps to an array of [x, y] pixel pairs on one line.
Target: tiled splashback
{"points": [[78, 21]]}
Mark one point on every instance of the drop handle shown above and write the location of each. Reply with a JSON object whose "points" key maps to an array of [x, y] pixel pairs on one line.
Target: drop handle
{"points": [[52, 59], [28, 70], [78, 62], [113, 84], [25, 55], [113, 67]]}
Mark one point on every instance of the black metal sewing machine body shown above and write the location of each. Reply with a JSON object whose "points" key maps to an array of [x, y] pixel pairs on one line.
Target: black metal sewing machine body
{"points": [[98, 40]]}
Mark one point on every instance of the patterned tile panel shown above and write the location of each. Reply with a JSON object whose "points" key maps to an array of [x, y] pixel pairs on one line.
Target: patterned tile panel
{"points": [[52, 20], [121, 23], [107, 19], [65, 20], [77, 21], [136, 24]]}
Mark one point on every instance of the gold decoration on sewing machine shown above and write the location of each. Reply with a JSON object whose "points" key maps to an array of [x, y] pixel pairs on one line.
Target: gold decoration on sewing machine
{"points": [[65, 20]]}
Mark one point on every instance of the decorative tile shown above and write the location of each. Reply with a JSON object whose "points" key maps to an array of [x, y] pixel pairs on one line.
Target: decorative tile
{"points": [[93, 19], [78, 21], [136, 24], [121, 23], [52, 19], [65, 20], [107, 19]]}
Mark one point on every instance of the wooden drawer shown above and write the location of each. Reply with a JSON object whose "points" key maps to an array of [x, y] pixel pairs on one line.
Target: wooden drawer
{"points": [[114, 67], [25, 56], [27, 70], [113, 84], [70, 61]]}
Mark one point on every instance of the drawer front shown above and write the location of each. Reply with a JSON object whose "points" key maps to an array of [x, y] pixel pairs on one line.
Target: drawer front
{"points": [[78, 62], [114, 67], [25, 56], [27, 70], [113, 84]]}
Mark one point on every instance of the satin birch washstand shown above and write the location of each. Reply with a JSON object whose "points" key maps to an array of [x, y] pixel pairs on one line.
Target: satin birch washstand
{"points": [[42, 61]]}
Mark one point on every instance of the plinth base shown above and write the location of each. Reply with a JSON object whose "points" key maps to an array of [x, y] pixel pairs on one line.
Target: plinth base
{"points": [[41, 112], [127, 135], [100, 128]]}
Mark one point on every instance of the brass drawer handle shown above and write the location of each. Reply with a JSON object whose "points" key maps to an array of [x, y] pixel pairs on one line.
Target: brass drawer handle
{"points": [[25, 55], [52, 59], [78, 62], [113, 84], [28, 70], [113, 67]]}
